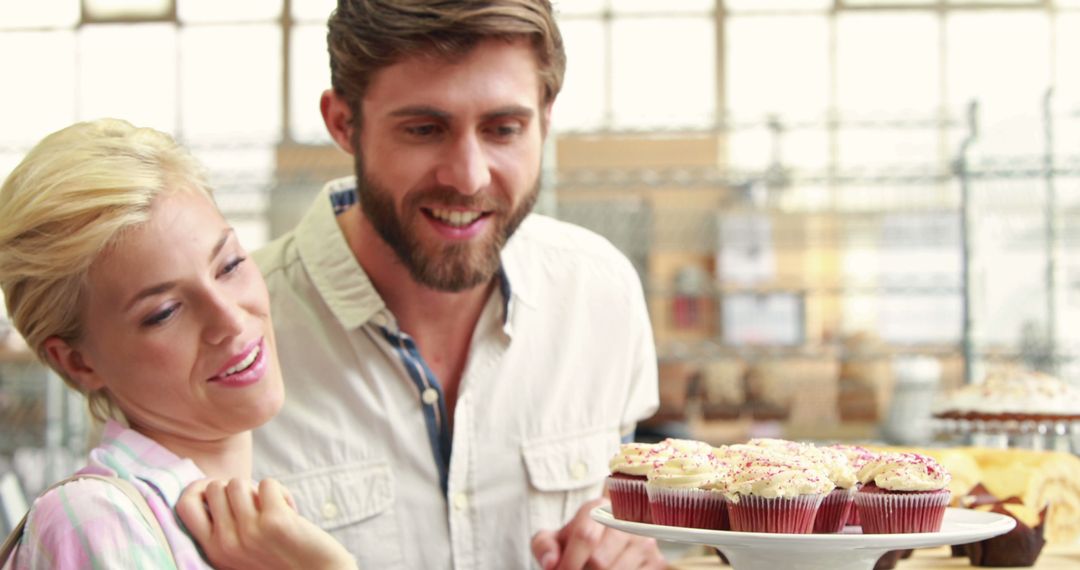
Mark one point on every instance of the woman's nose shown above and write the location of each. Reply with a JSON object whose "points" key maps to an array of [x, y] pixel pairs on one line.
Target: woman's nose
{"points": [[224, 318]]}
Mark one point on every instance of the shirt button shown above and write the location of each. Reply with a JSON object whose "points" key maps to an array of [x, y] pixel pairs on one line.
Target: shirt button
{"points": [[461, 501], [329, 510], [578, 470], [430, 396]]}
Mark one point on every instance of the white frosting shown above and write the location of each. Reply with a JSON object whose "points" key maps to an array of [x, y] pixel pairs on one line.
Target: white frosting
{"points": [[832, 461], [857, 456], [686, 472], [640, 458], [636, 458], [771, 473], [905, 472]]}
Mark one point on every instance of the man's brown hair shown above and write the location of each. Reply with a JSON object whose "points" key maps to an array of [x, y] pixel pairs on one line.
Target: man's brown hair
{"points": [[367, 35]]}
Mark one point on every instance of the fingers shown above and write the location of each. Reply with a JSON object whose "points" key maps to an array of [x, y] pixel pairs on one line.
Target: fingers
{"points": [[582, 538], [217, 502], [579, 518], [545, 548], [288, 496], [274, 496], [613, 546], [638, 553], [192, 510], [241, 499]]}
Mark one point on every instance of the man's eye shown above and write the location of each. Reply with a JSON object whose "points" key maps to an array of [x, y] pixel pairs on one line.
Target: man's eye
{"points": [[507, 130], [422, 130]]}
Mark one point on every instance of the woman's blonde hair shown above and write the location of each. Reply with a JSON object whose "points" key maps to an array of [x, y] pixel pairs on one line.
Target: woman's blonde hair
{"points": [[72, 195]]}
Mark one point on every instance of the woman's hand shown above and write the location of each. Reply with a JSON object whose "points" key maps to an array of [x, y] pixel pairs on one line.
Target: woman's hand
{"points": [[238, 528]]}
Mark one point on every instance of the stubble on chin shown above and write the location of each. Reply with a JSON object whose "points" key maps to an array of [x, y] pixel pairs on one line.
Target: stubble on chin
{"points": [[444, 267]]}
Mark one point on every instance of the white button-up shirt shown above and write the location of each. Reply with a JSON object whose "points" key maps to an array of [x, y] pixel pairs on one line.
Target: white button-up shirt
{"points": [[561, 367]]}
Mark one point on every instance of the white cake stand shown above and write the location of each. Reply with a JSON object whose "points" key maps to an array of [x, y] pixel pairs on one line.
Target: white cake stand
{"points": [[849, 550]]}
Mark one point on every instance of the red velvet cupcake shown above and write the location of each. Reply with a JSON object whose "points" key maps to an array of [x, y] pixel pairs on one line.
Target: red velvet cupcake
{"points": [[629, 470], [683, 492], [832, 515], [626, 485], [857, 457], [834, 512], [769, 491], [902, 493]]}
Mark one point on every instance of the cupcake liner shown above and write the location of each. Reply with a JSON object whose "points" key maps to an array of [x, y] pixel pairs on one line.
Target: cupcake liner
{"points": [[899, 513], [832, 516], [629, 501], [689, 508], [790, 515], [853, 514]]}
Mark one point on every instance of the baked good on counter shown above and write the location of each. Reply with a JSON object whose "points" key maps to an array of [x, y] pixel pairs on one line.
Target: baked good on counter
{"points": [[1020, 547], [1013, 394]]}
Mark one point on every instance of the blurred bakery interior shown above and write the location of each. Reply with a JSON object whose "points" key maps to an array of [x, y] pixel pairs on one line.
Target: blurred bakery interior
{"points": [[844, 212]]}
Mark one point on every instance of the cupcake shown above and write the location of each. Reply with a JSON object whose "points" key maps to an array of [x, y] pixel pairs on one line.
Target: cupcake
{"points": [[857, 456], [902, 493], [771, 491], [684, 491], [630, 467], [832, 515], [626, 484]]}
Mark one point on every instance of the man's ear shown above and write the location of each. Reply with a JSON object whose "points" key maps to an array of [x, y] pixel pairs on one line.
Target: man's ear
{"points": [[338, 119], [73, 363]]}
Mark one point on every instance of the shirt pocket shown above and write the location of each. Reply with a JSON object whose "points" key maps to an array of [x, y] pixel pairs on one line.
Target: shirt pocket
{"points": [[564, 472], [354, 502]]}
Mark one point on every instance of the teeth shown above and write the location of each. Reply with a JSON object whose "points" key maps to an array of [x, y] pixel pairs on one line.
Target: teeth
{"points": [[243, 363], [455, 218]]}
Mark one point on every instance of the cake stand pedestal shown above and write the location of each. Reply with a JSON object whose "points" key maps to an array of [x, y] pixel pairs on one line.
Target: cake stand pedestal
{"points": [[1043, 434], [849, 550]]}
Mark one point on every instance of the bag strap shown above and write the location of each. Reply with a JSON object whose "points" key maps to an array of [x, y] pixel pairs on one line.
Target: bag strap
{"points": [[12, 540]]}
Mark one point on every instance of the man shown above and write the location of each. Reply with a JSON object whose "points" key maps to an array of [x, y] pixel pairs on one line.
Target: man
{"points": [[454, 393]]}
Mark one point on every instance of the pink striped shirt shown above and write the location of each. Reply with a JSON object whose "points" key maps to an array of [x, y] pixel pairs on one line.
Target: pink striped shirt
{"points": [[89, 524]]}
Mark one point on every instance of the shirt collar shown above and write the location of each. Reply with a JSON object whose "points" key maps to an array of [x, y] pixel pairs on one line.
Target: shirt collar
{"points": [[133, 455], [333, 268]]}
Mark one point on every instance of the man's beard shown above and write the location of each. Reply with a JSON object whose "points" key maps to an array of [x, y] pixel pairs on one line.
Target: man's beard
{"points": [[445, 267]]}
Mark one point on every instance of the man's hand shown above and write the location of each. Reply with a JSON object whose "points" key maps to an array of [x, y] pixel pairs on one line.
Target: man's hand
{"points": [[585, 543]]}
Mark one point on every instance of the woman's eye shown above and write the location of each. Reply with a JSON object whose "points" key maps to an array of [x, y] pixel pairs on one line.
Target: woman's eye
{"points": [[232, 266], [160, 316]]}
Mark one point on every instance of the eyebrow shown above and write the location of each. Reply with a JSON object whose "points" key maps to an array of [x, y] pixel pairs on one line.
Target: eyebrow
{"points": [[429, 111], [159, 288]]}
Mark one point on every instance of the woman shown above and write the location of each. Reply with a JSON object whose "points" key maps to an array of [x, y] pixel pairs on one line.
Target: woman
{"points": [[119, 270]]}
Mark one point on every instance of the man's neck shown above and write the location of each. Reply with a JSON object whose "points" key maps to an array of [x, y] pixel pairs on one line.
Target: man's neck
{"points": [[441, 323]]}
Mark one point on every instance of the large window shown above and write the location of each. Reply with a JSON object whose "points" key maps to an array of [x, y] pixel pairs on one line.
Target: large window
{"points": [[211, 73]]}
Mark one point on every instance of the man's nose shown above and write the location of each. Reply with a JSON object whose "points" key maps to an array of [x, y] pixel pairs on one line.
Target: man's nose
{"points": [[465, 166]]}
